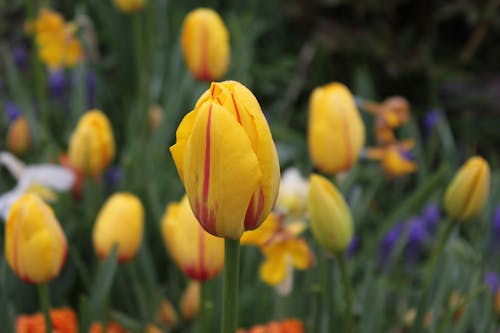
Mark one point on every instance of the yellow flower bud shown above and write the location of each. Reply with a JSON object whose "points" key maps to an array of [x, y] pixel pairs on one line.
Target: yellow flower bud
{"points": [[153, 329], [199, 254], [92, 146], [35, 244], [336, 133], [119, 222], [227, 160], [469, 189], [205, 44], [167, 314], [129, 6], [331, 219], [19, 136], [190, 301]]}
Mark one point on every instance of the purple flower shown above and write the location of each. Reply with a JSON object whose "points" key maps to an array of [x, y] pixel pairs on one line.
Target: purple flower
{"points": [[431, 216], [91, 82], [354, 246], [431, 119], [496, 223], [114, 175], [390, 240], [493, 281], [417, 235], [407, 154], [57, 82], [11, 110], [20, 56]]}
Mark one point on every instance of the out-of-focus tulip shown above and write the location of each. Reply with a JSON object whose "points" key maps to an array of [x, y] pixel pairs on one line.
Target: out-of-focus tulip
{"points": [[468, 191], [336, 132], [292, 197], [284, 326], [119, 222], [63, 321], [112, 327], [199, 254], [190, 301], [129, 6], [153, 329], [19, 136], [205, 44], [395, 164], [227, 128], [167, 314], [155, 116], [331, 219], [35, 245], [92, 146]]}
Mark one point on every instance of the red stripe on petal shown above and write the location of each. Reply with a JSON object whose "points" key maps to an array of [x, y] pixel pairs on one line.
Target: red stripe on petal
{"points": [[254, 211], [236, 109]]}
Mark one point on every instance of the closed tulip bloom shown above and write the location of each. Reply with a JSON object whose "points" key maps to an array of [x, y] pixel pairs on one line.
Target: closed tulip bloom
{"points": [[190, 301], [227, 160], [205, 44], [19, 136], [129, 6], [331, 219], [198, 254], [35, 245], [468, 191], [336, 133], [119, 222], [92, 145]]}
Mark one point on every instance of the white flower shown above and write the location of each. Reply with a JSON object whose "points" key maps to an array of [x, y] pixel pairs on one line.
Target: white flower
{"points": [[43, 177], [292, 197]]}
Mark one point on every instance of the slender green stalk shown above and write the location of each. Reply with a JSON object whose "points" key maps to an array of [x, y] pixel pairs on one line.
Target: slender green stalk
{"points": [[346, 284], [417, 324], [43, 294], [231, 282], [206, 308]]}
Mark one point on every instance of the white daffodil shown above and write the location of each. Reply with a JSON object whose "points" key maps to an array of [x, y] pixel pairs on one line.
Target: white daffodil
{"points": [[292, 197], [40, 178]]}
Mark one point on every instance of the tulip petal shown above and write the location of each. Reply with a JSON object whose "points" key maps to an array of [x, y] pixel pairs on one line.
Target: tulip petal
{"points": [[302, 256], [273, 269], [224, 171], [182, 136]]}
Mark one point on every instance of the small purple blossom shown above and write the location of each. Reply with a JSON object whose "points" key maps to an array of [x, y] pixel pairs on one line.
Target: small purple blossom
{"points": [[417, 235], [354, 246], [91, 83], [496, 223], [113, 176], [20, 56], [11, 110], [407, 154], [493, 281], [431, 119], [390, 240], [431, 216], [57, 82]]}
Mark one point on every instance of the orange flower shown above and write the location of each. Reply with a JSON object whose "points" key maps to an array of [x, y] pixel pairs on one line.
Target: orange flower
{"points": [[284, 326], [112, 327], [63, 321]]}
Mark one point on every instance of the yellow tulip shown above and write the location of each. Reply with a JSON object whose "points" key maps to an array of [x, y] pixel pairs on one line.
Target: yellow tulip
{"points": [[205, 44], [468, 192], [119, 222], [227, 160], [331, 219], [35, 244], [167, 314], [199, 254], [336, 133], [92, 146], [19, 136], [190, 301], [129, 6]]}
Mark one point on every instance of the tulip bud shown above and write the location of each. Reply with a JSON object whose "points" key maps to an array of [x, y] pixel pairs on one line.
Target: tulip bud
{"points": [[155, 116], [199, 254], [331, 220], [227, 128], [19, 136], [35, 245], [167, 314], [190, 301], [63, 321], [119, 222], [336, 133], [469, 189], [92, 146], [129, 6], [205, 44], [153, 329], [111, 327]]}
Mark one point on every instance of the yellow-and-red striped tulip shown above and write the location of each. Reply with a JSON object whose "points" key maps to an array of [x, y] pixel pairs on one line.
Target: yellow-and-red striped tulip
{"points": [[197, 253], [336, 133], [331, 220], [129, 6], [227, 160], [35, 244], [119, 222], [92, 145], [205, 44], [19, 136], [468, 192]]}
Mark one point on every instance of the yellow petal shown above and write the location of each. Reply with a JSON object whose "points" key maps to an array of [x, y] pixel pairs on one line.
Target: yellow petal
{"points": [[273, 269], [263, 233], [182, 135], [302, 256]]}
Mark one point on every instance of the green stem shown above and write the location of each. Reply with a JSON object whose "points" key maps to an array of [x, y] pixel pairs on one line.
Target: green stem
{"points": [[417, 324], [231, 281], [206, 308], [346, 284], [43, 294]]}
